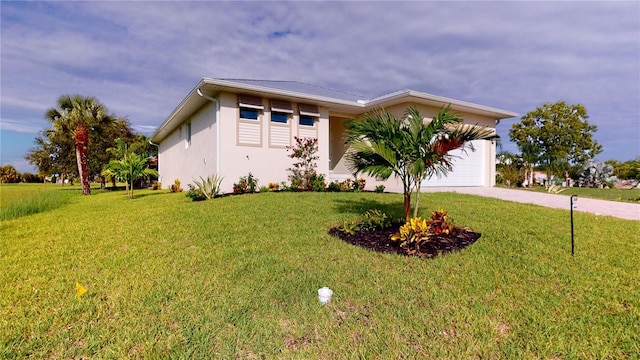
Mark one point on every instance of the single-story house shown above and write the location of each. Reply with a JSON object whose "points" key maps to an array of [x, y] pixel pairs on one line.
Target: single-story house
{"points": [[233, 127]]}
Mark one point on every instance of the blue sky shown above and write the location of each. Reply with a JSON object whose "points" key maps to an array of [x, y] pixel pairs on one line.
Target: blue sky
{"points": [[141, 58]]}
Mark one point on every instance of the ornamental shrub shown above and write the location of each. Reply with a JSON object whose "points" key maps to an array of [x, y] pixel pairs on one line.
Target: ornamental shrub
{"points": [[333, 187], [209, 187], [246, 184], [412, 233], [417, 230], [176, 186], [304, 168]]}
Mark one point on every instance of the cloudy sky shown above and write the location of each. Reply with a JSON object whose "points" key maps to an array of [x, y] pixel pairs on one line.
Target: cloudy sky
{"points": [[141, 58]]}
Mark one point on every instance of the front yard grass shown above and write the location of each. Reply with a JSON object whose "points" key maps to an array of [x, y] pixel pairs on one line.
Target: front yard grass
{"points": [[237, 277]]}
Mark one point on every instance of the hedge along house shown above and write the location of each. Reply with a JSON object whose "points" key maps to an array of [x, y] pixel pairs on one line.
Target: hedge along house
{"points": [[233, 127]]}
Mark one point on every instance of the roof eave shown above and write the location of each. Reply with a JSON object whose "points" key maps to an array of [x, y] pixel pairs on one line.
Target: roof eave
{"points": [[219, 85], [280, 92], [457, 105], [191, 100]]}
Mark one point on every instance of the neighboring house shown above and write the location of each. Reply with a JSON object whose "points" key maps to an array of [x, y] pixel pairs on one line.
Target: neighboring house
{"points": [[233, 127]]}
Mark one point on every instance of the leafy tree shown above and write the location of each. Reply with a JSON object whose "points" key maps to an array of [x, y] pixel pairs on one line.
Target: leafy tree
{"points": [[628, 170], [554, 135], [53, 154], [9, 174], [54, 151], [382, 145], [129, 168], [78, 116], [510, 168]]}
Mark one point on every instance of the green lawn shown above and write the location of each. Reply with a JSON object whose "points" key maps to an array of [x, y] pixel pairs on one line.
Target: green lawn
{"points": [[626, 195], [237, 277]]}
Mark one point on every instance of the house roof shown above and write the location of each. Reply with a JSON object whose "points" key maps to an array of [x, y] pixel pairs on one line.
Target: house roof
{"points": [[298, 87], [337, 101]]}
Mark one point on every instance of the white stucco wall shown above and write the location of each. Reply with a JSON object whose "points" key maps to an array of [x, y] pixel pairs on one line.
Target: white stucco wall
{"points": [[177, 161], [265, 162]]}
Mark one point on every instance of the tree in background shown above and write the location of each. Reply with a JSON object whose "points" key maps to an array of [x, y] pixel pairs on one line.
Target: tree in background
{"points": [[510, 169], [382, 145], [555, 135], [628, 170], [103, 140], [54, 152], [79, 116], [9, 174], [129, 167]]}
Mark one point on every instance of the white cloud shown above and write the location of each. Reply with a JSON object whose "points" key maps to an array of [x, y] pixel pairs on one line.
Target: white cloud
{"points": [[22, 126], [141, 58]]}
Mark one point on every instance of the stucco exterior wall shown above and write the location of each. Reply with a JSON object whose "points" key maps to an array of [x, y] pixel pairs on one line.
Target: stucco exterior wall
{"points": [[176, 160], [259, 146], [266, 162]]}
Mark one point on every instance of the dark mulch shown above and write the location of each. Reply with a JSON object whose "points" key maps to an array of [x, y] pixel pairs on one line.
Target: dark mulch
{"points": [[380, 241]]}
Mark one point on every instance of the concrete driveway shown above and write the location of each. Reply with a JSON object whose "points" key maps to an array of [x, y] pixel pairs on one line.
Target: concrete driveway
{"points": [[599, 207]]}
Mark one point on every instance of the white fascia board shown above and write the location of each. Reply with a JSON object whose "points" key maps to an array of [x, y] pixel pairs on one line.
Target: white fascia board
{"points": [[284, 93], [408, 95], [173, 120]]}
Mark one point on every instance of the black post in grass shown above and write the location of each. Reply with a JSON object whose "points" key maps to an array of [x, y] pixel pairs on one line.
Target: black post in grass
{"points": [[574, 205]]}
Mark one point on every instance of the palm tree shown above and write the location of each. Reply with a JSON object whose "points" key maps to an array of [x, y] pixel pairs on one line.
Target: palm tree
{"points": [[76, 116], [129, 168], [382, 145]]}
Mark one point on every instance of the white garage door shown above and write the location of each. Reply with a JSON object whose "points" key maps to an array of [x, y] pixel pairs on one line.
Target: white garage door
{"points": [[469, 169]]}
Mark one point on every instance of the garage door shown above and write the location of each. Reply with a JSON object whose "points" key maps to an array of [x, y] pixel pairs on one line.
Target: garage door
{"points": [[469, 169]]}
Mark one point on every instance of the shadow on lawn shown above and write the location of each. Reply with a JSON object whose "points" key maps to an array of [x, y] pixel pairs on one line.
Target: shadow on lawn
{"points": [[361, 205]]}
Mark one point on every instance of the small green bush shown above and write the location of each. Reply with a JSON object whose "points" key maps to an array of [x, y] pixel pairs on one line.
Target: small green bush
{"points": [[379, 188], [318, 183], [375, 219], [350, 227], [246, 184], [195, 194], [333, 187]]}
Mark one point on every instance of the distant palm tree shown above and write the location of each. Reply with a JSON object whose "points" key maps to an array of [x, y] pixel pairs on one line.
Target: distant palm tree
{"points": [[76, 116], [382, 145]]}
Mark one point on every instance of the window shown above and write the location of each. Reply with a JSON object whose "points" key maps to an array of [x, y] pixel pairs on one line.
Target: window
{"points": [[187, 137], [279, 117], [249, 127], [249, 114], [307, 120]]}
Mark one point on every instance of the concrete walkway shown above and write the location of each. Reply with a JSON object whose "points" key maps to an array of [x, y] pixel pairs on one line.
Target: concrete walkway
{"points": [[617, 209]]}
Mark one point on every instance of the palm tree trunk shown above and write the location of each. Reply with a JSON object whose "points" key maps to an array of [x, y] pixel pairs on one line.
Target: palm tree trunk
{"points": [[407, 205], [415, 207], [81, 138]]}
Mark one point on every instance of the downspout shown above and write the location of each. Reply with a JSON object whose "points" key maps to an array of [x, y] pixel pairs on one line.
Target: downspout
{"points": [[217, 127]]}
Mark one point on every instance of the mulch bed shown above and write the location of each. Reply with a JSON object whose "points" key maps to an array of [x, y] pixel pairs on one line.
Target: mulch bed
{"points": [[380, 241]]}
